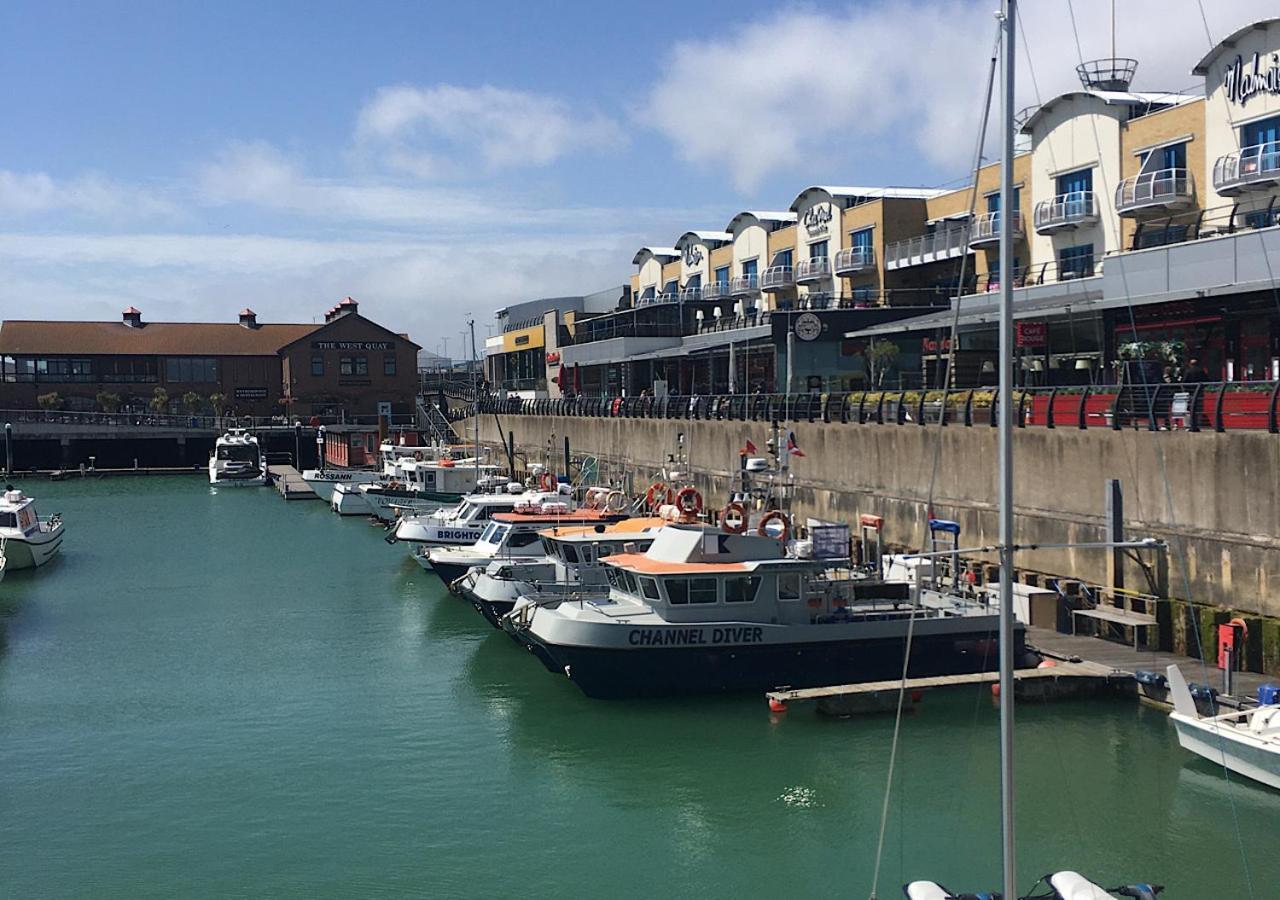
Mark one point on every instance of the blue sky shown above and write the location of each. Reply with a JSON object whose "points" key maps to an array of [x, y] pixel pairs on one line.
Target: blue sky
{"points": [[191, 159]]}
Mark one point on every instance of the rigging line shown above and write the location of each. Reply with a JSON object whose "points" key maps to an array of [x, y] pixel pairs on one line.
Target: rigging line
{"points": [[1184, 566]]}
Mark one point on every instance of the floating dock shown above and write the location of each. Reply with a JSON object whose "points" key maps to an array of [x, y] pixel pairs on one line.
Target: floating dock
{"points": [[289, 483]]}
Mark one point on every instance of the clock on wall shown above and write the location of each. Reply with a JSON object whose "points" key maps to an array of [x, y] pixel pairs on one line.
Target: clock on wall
{"points": [[807, 326]]}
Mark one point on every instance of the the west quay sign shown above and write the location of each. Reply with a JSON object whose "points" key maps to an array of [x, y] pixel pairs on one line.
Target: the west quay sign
{"points": [[1243, 80], [817, 219], [353, 345]]}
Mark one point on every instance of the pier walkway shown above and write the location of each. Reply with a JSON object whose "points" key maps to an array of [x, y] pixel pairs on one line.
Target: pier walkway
{"points": [[289, 483]]}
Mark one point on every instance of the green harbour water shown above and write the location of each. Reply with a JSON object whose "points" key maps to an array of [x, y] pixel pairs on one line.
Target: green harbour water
{"points": [[224, 695]]}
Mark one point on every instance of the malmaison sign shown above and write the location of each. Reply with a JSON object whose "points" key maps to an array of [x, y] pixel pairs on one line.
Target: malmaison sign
{"points": [[1241, 81], [353, 345]]}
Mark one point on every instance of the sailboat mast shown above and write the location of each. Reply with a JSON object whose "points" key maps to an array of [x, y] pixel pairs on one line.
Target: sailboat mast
{"points": [[1008, 209]]}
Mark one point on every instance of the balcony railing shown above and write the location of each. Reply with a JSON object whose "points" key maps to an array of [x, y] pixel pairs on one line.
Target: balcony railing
{"points": [[942, 244], [718, 290], [986, 228], [851, 260], [667, 297], [691, 294], [815, 268], [744, 286], [777, 278], [1065, 211], [1155, 192], [1248, 169]]}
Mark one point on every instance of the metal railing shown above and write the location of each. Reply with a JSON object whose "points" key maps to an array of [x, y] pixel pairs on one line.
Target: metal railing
{"points": [[815, 268], [777, 278], [1158, 189], [1070, 210], [986, 227], [148, 419], [942, 244], [716, 291], [1256, 167], [1195, 407], [744, 285], [691, 294], [855, 259]]}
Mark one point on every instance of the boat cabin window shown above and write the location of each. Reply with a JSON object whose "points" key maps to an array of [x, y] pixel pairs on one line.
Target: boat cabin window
{"points": [[691, 590], [630, 581], [489, 535], [8, 520], [467, 509], [588, 553], [238, 452], [570, 554], [523, 539], [789, 586], [741, 589], [649, 587]]}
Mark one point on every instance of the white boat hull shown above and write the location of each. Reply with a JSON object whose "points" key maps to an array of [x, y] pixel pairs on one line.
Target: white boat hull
{"points": [[1228, 746], [347, 501], [324, 483], [33, 551]]}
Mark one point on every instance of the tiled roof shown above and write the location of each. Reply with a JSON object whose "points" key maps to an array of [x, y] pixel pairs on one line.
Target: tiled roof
{"points": [[151, 339]]}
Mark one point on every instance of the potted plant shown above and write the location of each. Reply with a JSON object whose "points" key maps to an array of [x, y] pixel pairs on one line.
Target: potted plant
{"points": [[108, 402], [49, 402]]}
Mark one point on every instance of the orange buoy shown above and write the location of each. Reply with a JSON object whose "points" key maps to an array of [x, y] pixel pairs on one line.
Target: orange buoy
{"points": [[1047, 664], [777, 706]]}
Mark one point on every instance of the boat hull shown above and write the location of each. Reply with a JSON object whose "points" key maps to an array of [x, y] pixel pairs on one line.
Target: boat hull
{"points": [[615, 673], [1243, 754], [390, 505], [345, 500], [323, 483], [25, 553], [449, 572]]}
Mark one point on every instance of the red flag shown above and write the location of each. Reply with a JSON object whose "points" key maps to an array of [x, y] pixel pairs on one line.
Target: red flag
{"points": [[792, 447], [749, 449]]}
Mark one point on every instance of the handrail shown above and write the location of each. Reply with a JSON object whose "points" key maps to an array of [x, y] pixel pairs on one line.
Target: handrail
{"points": [[949, 241], [1258, 164], [986, 227], [777, 277], [1159, 187], [744, 284], [716, 291], [1069, 209], [855, 259], [813, 268]]}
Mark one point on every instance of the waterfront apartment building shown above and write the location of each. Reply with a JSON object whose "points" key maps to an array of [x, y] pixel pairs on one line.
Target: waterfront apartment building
{"points": [[1141, 219], [345, 366]]}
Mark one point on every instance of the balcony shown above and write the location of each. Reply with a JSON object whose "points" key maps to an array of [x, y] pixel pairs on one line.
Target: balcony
{"points": [[716, 291], [943, 244], [691, 294], [815, 268], [743, 286], [986, 228], [1254, 168], [1153, 193], [777, 278], [852, 260], [667, 297], [1066, 212]]}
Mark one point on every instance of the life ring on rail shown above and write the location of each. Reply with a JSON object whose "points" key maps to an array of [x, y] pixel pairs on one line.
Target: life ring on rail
{"points": [[689, 501], [656, 495], [617, 405], [615, 502], [417, 454], [446, 463], [738, 523], [776, 516], [547, 482]]}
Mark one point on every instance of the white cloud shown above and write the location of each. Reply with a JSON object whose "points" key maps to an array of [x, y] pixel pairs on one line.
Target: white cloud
{"points": [[805, 90], [38, 193], [446, 129]]}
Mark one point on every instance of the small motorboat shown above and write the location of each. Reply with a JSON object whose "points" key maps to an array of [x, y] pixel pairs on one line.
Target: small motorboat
{"points": [[237, 460], [1244, 741], [26, 540]]}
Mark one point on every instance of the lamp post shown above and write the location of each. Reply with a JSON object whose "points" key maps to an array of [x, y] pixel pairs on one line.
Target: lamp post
{"points": [[8, 449], [297, 443], [320, 447]]}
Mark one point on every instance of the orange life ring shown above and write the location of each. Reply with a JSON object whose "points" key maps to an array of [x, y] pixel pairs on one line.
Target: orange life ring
{"points": [[417, 454], [738, 509], [617, 405], [656, 494], [446, 463], [776, 516], [547, 482], [689, 501]]}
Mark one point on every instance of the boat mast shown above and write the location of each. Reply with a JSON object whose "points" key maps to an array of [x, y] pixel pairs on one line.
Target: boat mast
{"points": [[475, 396], [1005, 441]]}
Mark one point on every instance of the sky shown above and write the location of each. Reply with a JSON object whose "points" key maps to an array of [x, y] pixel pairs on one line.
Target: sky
{"points": [[441, 161]]}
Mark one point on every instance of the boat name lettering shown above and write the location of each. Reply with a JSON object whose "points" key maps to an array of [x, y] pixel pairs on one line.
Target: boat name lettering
{"points": [[353, 345], [1240, 82], [684, 637], [446, 535]]}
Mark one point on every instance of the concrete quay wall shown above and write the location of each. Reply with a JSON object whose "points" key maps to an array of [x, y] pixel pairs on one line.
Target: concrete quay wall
{"points": [[1215, 498]]}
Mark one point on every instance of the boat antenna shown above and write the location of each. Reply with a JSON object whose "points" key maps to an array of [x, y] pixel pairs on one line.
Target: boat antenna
{"points": [[1005, 444]]}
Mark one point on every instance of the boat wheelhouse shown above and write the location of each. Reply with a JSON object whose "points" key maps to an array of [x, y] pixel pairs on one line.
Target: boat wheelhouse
{"points": [[704, 611], [423, 486], [325, 481], [462, 525], [571, 563], [27, 541], [513, 535], [237, 460]]}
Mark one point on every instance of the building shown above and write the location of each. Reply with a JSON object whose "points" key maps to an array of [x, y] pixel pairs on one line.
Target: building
{"points": [[347, 366]]}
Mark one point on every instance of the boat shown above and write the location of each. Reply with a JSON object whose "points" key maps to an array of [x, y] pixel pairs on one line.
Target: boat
{"points": [[1245, 741], [712, 609], [513, 535], [461, 525], [1065, 884], [237, 460], [571, 563], [423, 486], [3, 560], [28, 540], [325, 480]]}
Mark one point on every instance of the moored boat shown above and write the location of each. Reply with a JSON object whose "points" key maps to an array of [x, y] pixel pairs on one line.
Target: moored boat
{"points": [[28, 541], [237, 460], [1245, 741]]}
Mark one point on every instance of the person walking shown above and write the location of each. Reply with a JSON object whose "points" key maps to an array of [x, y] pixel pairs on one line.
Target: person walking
{"points": [[1194, 372]]}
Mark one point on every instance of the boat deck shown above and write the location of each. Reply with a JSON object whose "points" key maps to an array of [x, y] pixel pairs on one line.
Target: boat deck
{"points": [[289, 483]]}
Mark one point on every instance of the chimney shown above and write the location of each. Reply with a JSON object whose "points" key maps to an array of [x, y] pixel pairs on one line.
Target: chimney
{"points": [[133, 317], [248, 318]]}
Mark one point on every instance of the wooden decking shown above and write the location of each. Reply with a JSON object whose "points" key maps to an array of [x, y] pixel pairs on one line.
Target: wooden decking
{"points": [[289, 483]]}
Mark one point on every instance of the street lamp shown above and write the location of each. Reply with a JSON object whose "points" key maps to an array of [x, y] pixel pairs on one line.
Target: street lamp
{"points": [[297, 443], [320, 446]]}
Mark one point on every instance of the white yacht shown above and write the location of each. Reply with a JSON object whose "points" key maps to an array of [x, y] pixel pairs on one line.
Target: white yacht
{"points": [[26, 540], [325, 481], [462, 525], [423, 486], [513, 535], [1245, 741], [706, 610], [237, 460], [570, 564]]}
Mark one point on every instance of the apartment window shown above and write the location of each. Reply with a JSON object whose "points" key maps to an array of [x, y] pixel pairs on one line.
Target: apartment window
{"points": [[671, 287], [1075, 262], [993, 200], [782, 258], [749, 267], [1076, 182], [1161, 236], [389, 364], [818, 250], [1264, 131], [317, 366], [694, 282], [862, 239], [191, 369], [66, 370], [353, 365]]}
